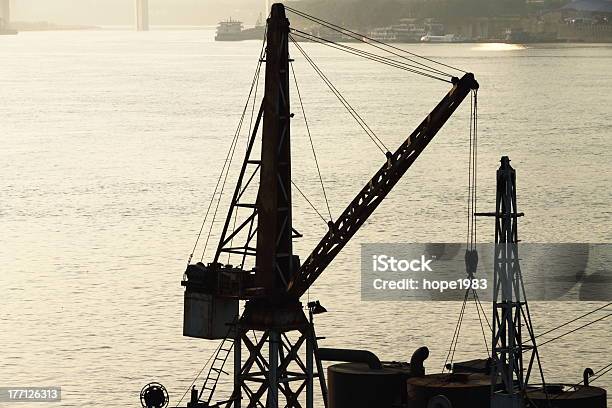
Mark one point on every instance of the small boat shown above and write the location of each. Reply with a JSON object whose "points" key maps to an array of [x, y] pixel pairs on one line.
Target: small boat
{"points": [[233, 30], [447, 38]]}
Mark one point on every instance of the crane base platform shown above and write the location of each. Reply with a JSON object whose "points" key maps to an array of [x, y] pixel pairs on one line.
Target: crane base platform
{"points": [[262, 315]]}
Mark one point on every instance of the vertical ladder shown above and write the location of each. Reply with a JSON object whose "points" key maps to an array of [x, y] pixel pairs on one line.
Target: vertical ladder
{"points": [[319, 363], [216, 367]]}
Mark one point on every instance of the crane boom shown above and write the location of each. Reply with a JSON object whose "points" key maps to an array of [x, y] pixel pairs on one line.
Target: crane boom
{"points": [[364, 204]]}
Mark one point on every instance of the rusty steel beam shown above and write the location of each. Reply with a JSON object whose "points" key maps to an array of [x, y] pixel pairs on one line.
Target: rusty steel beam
{"points": [[378, 187], [274, 260]]}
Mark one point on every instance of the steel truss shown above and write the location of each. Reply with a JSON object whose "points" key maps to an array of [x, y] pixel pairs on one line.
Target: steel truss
{"points": [[279, 367], [510, 309]]}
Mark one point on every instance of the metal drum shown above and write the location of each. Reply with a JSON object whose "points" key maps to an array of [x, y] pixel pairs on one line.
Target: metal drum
{"points": [[462, 390], [356, 385], [567, 396]]}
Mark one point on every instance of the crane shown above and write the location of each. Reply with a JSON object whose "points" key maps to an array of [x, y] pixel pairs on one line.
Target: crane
{"points": [[272, 289]]}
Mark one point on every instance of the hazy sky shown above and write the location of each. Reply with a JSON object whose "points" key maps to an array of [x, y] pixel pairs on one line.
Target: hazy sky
{"points": [[109, 12]]}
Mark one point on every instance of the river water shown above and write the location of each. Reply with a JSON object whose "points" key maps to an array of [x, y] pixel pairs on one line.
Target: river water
{"points": [[112, 142]]}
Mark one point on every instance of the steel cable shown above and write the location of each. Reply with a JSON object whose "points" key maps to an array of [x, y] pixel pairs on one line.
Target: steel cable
{"points": [[309, 202], [573, 320], [362, 38], [343, 100], [233, 147], [455, 339], [229, 254], [576, 329], [311, 143], [597, 376], [225, 163], [371, 56], [484, 336]]}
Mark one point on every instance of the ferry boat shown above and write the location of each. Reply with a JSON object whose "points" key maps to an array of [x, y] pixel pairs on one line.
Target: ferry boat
{"points": [[384, 34], [447, 38], [233, 30], [410, 30], [401, 33]]}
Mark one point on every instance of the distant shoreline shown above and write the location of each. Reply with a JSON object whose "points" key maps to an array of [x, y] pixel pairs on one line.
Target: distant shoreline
{"points": [[42, 26], [47, 26]]}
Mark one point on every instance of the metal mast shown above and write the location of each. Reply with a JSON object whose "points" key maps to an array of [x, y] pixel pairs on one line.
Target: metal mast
{"points": [[510, 309], [274, 260], [279, 365]]}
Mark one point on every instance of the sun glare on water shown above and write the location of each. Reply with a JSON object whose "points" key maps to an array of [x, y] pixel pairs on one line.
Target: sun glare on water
{"points": [[499, 47]]}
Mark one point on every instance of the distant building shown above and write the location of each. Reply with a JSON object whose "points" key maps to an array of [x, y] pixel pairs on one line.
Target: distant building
{"points": [[590, 7], [584, 21], [484, 28]]}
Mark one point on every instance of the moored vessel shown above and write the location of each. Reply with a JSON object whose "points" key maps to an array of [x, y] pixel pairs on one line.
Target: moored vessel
{"points": [[233, 30]]}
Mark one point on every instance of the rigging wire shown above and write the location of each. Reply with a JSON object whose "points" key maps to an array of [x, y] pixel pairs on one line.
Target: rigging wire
{"points": [[471, 233], [474, 201], [257, 70], [484, 335], [453, 345], [596, 375], [309, 202], [573, 320], [483, 311], [371, 56], [225, 163], [311, 142], [601, 369], [473, 198], [575, 330], [212, 199], [231, 157], [474, 165], [343, 100], [370, 41], [229, 254], [472, 172], [233, 147], [468, 242]]}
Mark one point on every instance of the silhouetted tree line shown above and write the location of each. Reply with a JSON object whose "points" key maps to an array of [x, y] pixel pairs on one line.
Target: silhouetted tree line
{"points": [[375, 13]]}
